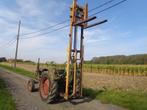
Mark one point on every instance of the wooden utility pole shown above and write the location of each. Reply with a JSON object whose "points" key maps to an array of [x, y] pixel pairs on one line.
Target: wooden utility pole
{"points": [[17, 43]]}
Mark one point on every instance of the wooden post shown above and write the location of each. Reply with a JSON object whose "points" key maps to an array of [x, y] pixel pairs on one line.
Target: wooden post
{"points": [[17, 43]]}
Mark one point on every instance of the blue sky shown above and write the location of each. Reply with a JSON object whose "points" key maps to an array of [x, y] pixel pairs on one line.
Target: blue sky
{"points": [[124, 33]]}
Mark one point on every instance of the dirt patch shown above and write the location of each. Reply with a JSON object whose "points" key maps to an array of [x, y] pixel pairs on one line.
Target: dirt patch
{"points": [[105, 81]]}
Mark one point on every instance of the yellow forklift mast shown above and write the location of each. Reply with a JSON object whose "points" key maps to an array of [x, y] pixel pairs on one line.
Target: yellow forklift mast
{"points": [[78, 21]]}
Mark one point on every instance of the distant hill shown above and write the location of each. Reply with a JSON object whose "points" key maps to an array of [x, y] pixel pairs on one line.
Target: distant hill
{"points": [[120, 59]]}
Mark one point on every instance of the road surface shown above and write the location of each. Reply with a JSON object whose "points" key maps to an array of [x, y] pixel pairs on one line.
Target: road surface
{"points": [[31, 101]]}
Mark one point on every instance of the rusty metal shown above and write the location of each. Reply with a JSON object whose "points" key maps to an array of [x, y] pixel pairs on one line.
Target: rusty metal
{"points": [[45, 87]]}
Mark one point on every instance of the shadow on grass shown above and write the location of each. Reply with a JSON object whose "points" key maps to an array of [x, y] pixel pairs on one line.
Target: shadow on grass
{"points": [[91, 93]]}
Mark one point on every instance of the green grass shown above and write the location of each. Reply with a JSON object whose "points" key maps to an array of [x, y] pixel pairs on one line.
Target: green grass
{"points": [[133, 100], [6, 101], [18, 70]]}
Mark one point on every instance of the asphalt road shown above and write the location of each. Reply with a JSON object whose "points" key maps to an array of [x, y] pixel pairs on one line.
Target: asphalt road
{"points": [[31, 101]]}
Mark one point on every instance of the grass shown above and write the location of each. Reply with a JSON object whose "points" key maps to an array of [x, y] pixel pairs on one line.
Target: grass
{"points": [[18, 70], [133, 100], [6, 101]]}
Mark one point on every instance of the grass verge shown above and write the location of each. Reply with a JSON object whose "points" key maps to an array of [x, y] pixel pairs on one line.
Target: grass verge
{"points": [[6, 101], [133, 100], [18, 70]]}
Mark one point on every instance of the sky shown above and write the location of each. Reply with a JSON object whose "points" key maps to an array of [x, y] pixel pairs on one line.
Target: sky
{"points": [[125, 33]]}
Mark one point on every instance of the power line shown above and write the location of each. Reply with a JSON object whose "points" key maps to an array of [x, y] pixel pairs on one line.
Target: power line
{"points": [[68, 20], [43, 29], [10, 42], [118, 3], [91, 15], [46, 32], [14, 38], [63, 21], [101, 5]]}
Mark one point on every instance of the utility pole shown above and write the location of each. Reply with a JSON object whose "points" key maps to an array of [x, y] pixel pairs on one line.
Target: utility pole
{"points": [[17, 43]]}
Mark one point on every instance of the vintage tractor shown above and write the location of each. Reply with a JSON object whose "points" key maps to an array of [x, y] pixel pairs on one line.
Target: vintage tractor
{"points": [[66, 83]]}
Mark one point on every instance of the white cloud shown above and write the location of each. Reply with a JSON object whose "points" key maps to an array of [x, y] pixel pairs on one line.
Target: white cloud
{"points": [[103, 42], [29, 7], [104, 35], [34, 14], [8, 14], [94, 36]]}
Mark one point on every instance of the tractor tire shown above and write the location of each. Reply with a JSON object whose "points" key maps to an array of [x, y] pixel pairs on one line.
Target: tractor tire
{"points": [[31, 85], [48, 88]]}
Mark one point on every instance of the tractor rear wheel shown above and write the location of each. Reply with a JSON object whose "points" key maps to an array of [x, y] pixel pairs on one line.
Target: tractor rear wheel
{"points": [[48, 88]]}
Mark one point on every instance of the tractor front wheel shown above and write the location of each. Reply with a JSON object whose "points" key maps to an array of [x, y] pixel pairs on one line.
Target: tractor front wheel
{"points": [[31, 85]]}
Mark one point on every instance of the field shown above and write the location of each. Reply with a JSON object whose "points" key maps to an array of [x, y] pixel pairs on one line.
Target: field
{"points": [[106, 78], [133, 70], [137, 70]]}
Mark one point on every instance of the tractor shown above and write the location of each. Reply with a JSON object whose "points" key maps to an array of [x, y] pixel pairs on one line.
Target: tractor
{"points": [[66, 83]]}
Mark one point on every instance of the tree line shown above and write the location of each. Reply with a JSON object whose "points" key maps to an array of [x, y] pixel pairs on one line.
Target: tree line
{"points": [[120, 59]]}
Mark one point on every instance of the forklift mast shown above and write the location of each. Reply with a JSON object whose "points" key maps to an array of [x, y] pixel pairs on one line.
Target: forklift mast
{"points": [[75, 47], [78, 21]]}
